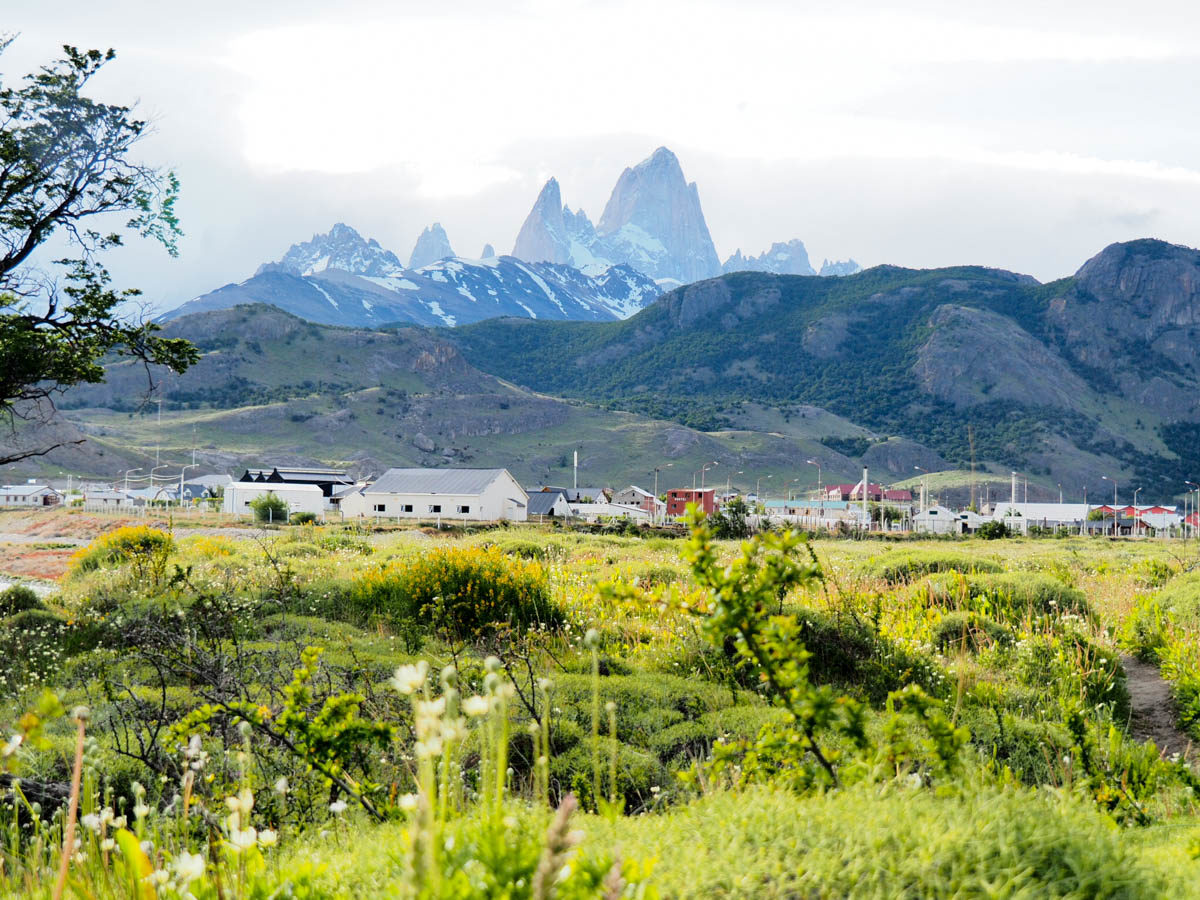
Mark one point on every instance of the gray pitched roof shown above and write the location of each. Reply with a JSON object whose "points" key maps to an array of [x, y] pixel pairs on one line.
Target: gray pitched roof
{"points": [[435, 481], [541, 503]]}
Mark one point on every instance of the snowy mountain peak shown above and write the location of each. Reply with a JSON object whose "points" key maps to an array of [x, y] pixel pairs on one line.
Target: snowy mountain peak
{"points": [[543, 236], [654, 222], [432, 245], [845, 267], [782, 259], [340, 248], [489, 252]]}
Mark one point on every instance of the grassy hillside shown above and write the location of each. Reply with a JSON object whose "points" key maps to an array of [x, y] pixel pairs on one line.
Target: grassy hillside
{"points": [[916, 354], [274, 389]]}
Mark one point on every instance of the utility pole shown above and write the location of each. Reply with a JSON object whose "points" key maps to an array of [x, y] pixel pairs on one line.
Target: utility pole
{"points": [[127, 471], [865, 512], [575, 483], [925, 489], [158, 442], [181, 471], [1060, 496]]}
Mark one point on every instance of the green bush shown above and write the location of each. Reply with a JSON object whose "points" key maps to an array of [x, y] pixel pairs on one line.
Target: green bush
{"points": [[693, 739], [990, 531], [906, 566], [18, 598], [647, 704], [1007, 597], [526, 549], [1181, 598], [303, 517], [465, 593], [1144, 632], [269, 508], [968, 631], [344, 541], [298, 550], [1071, 668], [639, 773]]}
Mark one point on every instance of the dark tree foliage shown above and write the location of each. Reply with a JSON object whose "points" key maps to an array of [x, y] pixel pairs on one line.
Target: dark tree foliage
{"points": [[66, 173]]}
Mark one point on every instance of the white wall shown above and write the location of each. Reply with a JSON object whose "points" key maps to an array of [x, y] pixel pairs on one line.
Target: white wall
{"points": [[299, 498], [495, 503]]}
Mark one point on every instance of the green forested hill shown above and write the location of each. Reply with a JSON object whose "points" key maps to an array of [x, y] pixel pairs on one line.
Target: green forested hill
{"points": [[1086, 376]]}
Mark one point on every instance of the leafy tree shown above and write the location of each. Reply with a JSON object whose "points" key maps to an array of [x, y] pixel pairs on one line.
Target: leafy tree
{"points": [[730, 521], [66, 173], [269, 507]]}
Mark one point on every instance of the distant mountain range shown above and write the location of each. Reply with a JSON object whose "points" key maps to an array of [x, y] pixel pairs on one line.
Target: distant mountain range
{"points": [[651, 237], [340, 278]]}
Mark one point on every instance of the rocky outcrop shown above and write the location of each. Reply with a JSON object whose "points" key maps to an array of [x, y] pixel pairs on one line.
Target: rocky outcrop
{"points": [[431, 246], [975, 355], [489, 252], [653, 221], [1134, 308], [543, 235]]}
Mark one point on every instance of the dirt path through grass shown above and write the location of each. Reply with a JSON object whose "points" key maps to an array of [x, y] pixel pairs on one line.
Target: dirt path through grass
{"points": [[1153, 717]]}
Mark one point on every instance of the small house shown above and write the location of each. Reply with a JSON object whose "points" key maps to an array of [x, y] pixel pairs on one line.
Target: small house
{"points": [[482, 495], [29, 495]]}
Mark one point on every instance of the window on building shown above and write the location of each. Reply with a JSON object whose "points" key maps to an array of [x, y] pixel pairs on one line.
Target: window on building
{"points": [[407, 507], [380, 507], [464, 510], [435, 507]]}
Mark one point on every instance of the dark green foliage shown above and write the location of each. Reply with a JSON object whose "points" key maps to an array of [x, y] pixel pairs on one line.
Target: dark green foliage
{"points": [[849, 654], [303, 517], [66, 164], [898, 567], [968, 631], [990, 531], [18, 598], [683, 742], [639, 772], [647, 704], [729, 522], [269, 508]]}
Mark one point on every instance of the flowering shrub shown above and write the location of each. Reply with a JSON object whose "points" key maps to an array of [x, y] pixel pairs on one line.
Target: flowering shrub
{"points": [[464, 592], [145, 549]]}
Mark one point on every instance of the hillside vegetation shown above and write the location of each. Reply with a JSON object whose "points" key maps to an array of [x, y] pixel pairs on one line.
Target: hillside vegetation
{"points": [[1068, 380], [339, 712]]}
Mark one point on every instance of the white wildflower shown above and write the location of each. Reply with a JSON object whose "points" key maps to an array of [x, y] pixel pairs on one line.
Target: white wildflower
{"points": [[337, 807], [476, 706], [408, 679], [188, 867]]}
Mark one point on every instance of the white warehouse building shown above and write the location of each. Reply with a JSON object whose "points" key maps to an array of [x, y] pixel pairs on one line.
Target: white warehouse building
{"points": [[482, 495], [298, 497]]}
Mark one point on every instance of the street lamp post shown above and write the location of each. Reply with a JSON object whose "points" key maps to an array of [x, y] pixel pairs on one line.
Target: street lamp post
{"points": [[128, 472], [1187, 499], [924, 486], [820, 495], [1114, 484], [758, 491], [181, 471], [704, 468], [656, 468]]}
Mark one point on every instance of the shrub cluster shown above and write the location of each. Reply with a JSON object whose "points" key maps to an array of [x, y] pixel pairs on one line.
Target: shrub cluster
{"points": [[464, 593], [145, 549], [1006, 597], [898, 568]]}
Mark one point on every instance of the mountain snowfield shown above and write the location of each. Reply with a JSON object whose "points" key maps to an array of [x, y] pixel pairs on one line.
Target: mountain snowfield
{"points": [[651, 237], [340, 278]]}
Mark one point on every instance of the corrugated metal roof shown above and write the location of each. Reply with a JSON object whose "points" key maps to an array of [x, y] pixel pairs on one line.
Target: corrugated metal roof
{"points": [[435, 481]]}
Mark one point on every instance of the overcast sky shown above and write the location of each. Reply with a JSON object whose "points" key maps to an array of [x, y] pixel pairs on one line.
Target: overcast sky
{"points": [[946, 133]]}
